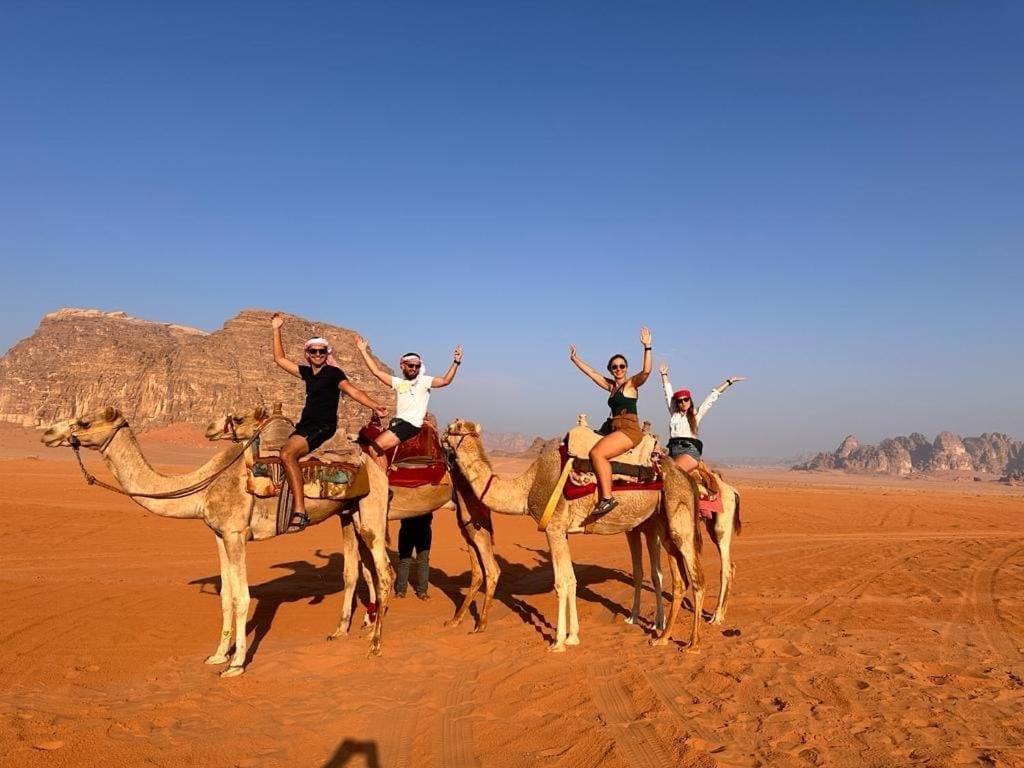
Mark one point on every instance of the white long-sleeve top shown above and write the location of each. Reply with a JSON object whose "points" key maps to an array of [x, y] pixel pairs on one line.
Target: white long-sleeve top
{"points": [[679, 425]]}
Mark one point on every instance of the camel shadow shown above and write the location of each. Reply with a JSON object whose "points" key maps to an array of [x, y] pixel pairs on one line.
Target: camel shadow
{"points": [[352, 748], [306, 581]]}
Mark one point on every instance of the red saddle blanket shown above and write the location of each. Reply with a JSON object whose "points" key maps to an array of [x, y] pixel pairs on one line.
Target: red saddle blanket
{"points": [[418, 461], [572, 491]]}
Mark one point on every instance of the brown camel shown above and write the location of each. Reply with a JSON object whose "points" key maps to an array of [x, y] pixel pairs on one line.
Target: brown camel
{"points": [[529, 493], [473, 519], [232, 514]]}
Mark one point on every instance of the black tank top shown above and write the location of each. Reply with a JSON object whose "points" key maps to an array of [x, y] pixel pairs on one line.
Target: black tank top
{"points": [[620, 403]]}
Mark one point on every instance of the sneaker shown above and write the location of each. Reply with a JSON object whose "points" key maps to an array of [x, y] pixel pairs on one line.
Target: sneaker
{"points": [[604, 506], [399, 594], [423, 595]]}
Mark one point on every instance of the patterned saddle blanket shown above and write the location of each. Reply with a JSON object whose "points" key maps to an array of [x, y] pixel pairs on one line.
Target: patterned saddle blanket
{"points": [[418, 461]]}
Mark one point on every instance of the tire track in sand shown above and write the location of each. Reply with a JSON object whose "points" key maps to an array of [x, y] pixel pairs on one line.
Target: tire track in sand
{"points": [[992, 625], [637, 739], [669, 690], [453, 747]]}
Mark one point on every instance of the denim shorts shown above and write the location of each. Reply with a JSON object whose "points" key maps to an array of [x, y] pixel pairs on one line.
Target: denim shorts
{"points": [[685, 446]]}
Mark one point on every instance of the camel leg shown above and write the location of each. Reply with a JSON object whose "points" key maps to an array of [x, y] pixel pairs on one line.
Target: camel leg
{"points": [[565, 582], [234, 544], [653, 536], [374, 541], [695, 575], [220, 656], [636, 556], [370, 617], [492, 572], [722, 536], [350, 577], [675, 564], [476, 570]]}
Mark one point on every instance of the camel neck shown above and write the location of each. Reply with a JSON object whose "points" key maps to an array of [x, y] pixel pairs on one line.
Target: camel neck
{"points": [[505, 495], [124, 457]]}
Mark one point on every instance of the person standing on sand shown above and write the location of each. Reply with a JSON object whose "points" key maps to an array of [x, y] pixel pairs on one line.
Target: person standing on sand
{"points": [[683, 446], [325, 382], [412, 391], [622, 430], [414, 534]]}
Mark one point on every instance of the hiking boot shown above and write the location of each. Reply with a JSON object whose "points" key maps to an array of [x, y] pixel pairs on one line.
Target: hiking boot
{"points": [[604, 506]]}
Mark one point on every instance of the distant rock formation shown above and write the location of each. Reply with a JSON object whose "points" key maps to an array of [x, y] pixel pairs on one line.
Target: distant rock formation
{"points": [[991, 453], [160, 374], [516, 444]]}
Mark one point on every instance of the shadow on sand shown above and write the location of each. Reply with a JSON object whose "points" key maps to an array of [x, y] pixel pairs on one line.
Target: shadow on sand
{"points": [[350, 750]]}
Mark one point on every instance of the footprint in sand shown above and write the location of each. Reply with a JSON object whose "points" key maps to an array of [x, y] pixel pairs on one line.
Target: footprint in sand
{"points": [[778, 647]]}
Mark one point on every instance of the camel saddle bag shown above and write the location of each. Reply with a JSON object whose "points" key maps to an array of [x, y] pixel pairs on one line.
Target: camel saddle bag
{"points": [[416, 462]]}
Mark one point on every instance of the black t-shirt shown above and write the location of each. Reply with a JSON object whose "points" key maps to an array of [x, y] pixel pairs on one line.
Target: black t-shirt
{"points": [[322, 394]]}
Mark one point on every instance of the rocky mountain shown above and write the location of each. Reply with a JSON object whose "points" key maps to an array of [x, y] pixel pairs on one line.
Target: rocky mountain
{"points": [[516, 444], [990, 453], [159, 374]]}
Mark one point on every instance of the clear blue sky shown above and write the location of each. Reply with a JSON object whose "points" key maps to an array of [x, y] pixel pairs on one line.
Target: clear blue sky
{"points": [[826, 197]]}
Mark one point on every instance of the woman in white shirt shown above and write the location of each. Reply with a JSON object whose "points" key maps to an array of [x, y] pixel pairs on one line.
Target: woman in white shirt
{"points": [[683, 445]]}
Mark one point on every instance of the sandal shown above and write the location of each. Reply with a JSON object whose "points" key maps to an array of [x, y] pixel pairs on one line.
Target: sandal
{"points": [[604, 506], [298, 522]]}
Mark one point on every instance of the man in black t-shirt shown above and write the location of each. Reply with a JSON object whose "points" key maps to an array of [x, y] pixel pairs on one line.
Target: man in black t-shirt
{"points": [[325, 382]]}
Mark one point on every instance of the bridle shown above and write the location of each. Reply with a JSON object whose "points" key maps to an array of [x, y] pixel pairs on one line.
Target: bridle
{"points": [[454, 449]]}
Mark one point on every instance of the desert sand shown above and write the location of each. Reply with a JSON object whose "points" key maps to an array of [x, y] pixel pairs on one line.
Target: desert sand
{"points": [[873, 623]]}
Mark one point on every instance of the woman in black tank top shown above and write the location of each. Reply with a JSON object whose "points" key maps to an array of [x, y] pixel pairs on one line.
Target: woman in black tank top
{"points": [[622, 430]]}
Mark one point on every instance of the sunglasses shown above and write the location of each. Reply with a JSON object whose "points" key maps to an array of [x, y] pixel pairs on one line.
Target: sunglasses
{"points": [[683, 399], [617, 367], [411, 365], [317, 351]]}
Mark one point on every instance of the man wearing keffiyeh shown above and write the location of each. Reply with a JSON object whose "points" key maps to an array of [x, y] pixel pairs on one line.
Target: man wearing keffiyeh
{"points": [[325, 381]]}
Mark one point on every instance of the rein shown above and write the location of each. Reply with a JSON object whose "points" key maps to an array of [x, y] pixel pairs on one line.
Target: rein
{"points": [[462, 436], [181, 493]]}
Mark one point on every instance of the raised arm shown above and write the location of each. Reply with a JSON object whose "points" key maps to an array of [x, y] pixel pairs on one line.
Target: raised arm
{"points": [[364, 350], [589, 372], [444, 381], [283, 362], [645, 339], [666, 385], [715, 393], [720, 389], [362, 398]]}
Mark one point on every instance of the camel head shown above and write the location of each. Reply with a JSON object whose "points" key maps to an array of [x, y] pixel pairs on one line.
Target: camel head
{"points": [[458, 431], [94, 430], [237, 425]]}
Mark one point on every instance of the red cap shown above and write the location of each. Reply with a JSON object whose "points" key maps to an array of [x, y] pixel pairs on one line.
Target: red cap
{"points": [[681, 393]]}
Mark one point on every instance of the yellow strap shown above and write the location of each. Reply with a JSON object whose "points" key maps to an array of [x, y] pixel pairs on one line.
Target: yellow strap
{"points": [[549, 509]]}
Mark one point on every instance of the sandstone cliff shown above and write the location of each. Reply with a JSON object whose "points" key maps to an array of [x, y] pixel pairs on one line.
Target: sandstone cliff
{"points": [[990, 453], [158, 373]]}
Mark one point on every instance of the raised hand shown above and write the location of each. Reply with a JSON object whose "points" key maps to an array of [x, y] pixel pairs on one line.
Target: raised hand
{"points": [[734, 379], [572, 351], [664, 369], [645, 336], [458, 353], [276, 320], [361, 343]]}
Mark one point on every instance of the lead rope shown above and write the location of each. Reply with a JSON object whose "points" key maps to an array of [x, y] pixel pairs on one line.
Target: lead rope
{"points": [[178, 494]]}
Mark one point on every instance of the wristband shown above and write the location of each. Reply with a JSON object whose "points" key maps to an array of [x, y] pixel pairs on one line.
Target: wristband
{"points": [[647, 349], [456, 362]]}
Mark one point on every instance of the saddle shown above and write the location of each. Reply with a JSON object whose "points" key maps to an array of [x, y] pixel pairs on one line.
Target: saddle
{"points": [[418, 461], [709, 501], [635, 465], [331, 472]]}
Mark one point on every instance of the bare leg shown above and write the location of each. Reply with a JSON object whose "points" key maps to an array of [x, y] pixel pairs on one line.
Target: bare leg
{"points": [[685, 463], [294, 448], [234, 544], [609, 446], [636, 555], [384, 442], [220, 656]]}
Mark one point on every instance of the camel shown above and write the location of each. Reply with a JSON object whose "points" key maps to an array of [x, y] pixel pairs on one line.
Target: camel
{"points": [[474, 525], [232, 514], [676, 520], [721, 529]]}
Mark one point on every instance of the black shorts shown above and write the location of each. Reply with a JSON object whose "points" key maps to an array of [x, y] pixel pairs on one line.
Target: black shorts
{"points": [[403, 429], [315, 434]]}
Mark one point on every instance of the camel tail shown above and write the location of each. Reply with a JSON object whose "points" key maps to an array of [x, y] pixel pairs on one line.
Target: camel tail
{"points": [[737, 524]]}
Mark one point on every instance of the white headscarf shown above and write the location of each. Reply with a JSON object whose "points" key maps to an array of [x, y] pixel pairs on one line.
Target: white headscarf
{"points": [[320, 341]]}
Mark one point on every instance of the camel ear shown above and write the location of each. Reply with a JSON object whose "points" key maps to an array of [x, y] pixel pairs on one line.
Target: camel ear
{"points": [[260, 414], [111, 414]]}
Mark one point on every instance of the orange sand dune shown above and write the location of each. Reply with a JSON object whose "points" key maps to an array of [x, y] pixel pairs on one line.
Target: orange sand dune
{"points": [[871, 626]]}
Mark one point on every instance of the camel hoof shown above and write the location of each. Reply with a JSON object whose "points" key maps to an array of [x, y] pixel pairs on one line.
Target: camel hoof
{"points": [[233, 671], [717, 620], [337, 636], [556, 648], [478, 629], [631, 619], [572, 640], [693, 650], [375, 650], [217, 658], [656, 642], [453, 622]]}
